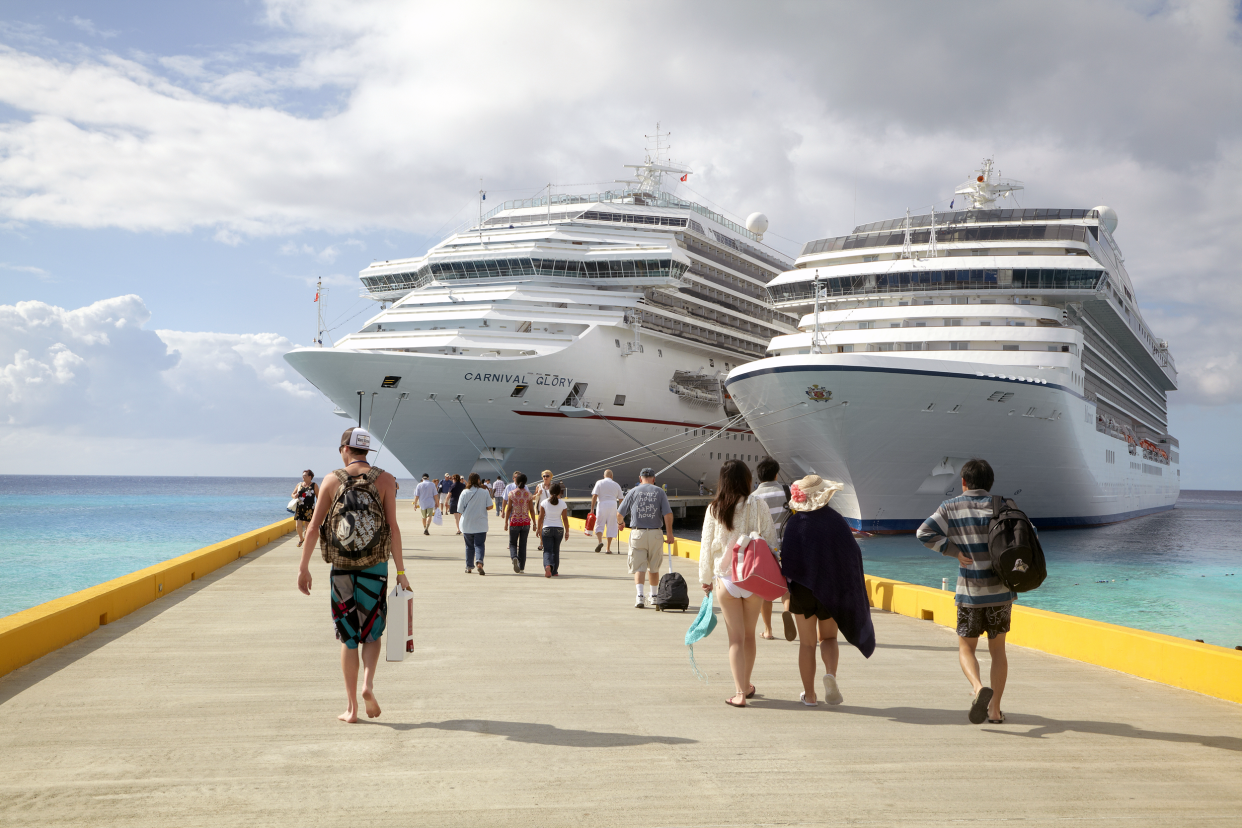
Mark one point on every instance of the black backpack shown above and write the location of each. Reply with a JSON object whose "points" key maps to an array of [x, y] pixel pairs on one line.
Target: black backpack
{"points": [[672, 592], [1017, 557]]}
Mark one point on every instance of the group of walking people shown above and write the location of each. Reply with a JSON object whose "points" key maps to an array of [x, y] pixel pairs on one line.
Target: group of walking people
{"points": [[354, 517]]}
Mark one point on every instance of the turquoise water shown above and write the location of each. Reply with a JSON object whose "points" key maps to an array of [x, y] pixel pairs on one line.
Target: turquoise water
{"points": [[63, 534], [1178, 572]]}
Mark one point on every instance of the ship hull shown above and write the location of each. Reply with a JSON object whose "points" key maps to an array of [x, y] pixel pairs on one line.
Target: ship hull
{"points": [[460, 415], [896, 431]]}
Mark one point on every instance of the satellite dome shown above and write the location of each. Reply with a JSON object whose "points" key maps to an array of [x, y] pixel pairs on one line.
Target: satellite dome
{"points": [[757, 223], [1108, 218]]}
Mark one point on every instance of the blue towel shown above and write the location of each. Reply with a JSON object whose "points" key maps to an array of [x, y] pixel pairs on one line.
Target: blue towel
{"points": [[702, 627]]}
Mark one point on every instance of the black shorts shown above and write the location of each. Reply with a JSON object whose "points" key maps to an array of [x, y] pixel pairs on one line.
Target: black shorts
{"points": [[803, 602], [972, 622]]}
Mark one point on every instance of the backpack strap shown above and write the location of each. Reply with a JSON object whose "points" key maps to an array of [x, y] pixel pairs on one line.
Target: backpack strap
{"points": [[788, 495], [997, 500]]}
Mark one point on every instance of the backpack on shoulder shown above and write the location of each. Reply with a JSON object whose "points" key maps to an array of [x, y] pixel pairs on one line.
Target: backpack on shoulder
{"points": [[1017, 557], [354, 534], [672, 592]]}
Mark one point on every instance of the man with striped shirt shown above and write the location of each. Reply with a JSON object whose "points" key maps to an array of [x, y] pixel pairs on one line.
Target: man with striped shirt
{"points": [[776, 497], [959, 529]]}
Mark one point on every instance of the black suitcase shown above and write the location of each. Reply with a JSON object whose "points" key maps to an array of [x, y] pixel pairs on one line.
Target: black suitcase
{"points": [[672, 593]]}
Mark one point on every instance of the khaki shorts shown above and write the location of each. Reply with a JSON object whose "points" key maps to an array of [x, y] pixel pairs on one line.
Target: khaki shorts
{"points": [[646, 550], [428, 512]]}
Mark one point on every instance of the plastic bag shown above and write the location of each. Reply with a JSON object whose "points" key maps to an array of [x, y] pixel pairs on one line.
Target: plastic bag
{"points": [[437, 518], [399, 625]]}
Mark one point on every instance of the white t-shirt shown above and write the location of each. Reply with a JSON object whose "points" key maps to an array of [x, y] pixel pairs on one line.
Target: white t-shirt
{"points": [[426, 494], [609, 492], [552, 514]]}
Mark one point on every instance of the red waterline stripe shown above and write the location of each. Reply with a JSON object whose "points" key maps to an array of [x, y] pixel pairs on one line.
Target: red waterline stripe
{"points": [[629, 420]]}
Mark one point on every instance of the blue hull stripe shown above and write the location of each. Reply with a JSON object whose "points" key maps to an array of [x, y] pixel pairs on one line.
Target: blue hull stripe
{"points": [[1042, 523], [789, 369]]}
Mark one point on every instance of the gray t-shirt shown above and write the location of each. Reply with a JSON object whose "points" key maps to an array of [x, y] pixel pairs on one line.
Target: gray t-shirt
{"points": [[645, 506]]}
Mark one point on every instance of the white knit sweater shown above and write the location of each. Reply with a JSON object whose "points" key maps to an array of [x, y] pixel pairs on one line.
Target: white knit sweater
{"points": [[751, 515]]}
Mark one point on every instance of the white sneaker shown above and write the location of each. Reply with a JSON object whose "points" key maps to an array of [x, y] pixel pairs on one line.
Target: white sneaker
{"points": [[639, 603], [832, 694], [651, 600]]}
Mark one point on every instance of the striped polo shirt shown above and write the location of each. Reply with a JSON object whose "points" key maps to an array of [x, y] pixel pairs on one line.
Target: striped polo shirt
{"points": [[962, 523], [773, 496]]}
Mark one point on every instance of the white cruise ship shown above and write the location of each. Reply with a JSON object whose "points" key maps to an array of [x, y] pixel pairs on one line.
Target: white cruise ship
{"points": [[566, 332], [1008, 334]]}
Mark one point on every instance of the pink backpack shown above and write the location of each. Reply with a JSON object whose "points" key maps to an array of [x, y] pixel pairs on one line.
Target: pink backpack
{"points": [[755, 568]]}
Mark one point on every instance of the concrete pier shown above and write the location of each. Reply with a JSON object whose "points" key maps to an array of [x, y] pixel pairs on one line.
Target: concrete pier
{"points": [[539, 702]]}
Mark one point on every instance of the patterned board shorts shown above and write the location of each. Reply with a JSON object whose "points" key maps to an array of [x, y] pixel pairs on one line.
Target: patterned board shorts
{"points": [[359, 603], [972, 622]]}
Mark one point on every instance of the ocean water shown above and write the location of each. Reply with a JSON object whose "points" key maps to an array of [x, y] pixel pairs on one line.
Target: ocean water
{"points": [[1178, 572], [61, 534]]}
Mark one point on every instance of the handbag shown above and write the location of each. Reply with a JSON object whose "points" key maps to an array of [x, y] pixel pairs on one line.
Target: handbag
{"points": [[292, 507], [590, 523], [755, 568]]}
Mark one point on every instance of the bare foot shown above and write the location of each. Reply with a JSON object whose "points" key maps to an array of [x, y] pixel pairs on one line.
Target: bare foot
{"points": [[767, 635], [350, 716], [373, 708]]}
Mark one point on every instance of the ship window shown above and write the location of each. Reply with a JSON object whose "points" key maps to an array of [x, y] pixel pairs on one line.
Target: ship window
{"points": [[865, 326], [1009, 347], [985, 322], [959, 346], [518, 390], [617, 342], [619, 399], [953, 322], [660, 352]]}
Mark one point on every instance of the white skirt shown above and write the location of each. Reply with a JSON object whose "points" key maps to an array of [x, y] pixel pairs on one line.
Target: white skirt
{"points": [[733, 589]]}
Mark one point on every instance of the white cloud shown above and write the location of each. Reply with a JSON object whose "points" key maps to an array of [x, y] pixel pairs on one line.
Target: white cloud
{"points": [[791, 108], [94, 378], [36, 271], [90, 28]]}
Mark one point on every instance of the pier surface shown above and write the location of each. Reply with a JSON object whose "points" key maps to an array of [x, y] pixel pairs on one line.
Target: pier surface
{"points": [[538, 702]]}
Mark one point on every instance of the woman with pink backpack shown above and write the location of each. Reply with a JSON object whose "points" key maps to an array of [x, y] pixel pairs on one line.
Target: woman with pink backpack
{"points": [[737, 532]]}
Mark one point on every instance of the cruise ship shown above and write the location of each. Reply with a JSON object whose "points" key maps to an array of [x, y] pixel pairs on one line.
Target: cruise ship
{"points": [[570, 332], [1008, 334]]}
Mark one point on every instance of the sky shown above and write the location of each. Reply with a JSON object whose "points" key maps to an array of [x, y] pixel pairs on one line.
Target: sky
{"points": [[176, 178]]}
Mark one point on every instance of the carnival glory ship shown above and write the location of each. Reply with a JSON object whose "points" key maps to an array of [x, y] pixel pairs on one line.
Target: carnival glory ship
{"points": [[566, 332], [1008, 334]]}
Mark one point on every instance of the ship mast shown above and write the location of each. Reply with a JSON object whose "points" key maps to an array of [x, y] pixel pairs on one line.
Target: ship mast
{"points": [[983, 191]]}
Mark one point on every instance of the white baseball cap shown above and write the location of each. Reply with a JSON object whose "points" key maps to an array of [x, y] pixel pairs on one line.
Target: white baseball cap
{"points": [[357, 438]]}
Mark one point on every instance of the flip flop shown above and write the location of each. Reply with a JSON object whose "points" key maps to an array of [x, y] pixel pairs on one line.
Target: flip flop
{"points": [[729, 701], [802, 698], [767, 637], [1001, 720], [791, 629], [751, 694], [979, 707]]}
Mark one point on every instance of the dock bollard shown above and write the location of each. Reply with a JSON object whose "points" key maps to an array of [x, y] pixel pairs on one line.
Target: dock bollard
{"points": [[944, 583]]}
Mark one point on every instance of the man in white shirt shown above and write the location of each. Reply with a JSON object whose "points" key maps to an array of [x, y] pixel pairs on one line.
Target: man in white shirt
{"points": [[498, 492], [604, 499], [425, 495]]}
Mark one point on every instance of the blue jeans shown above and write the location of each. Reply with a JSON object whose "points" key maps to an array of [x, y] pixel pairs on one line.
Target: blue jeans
{"points": [[552, 537], [474, 547], [517, 544]]}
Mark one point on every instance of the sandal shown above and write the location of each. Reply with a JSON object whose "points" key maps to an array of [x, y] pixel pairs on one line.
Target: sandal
{"points": [[751, 694], [1001, 720], [767, 637], [791, 629], [979, 707], [730, 701], [802, 698]]}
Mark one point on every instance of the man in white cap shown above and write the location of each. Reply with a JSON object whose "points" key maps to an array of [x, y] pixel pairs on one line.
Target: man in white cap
{"points": [[604, 499], [426, 493], [365, 527], [651, 522]]}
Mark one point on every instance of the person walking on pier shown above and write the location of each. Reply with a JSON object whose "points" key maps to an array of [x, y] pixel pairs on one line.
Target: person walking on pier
{"points": [[650, 517], [959, 529], [498, 492], [776, 495], [823, 565], [425, 496], [358, 584], [542, 490], [459, 486], [553, 510], [306, 493], [519, 515], [604, 500], [473, 504], [446, 488], [732, 514]]}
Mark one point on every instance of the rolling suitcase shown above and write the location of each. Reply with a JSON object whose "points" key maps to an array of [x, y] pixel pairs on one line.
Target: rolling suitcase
{"points": [[672, 593]]}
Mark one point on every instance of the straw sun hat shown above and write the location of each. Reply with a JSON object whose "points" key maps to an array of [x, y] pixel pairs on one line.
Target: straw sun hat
{"points": [[812, 492]]}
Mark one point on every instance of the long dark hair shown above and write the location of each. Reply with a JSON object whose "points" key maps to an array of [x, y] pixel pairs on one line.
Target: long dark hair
{"points": [[474, 481], [732, 489], [554, 494], [519, 480]]}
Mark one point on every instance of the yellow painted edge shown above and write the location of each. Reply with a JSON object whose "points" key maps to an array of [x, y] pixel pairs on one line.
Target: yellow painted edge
{"points": [[35, 632], [1203, 668]]}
